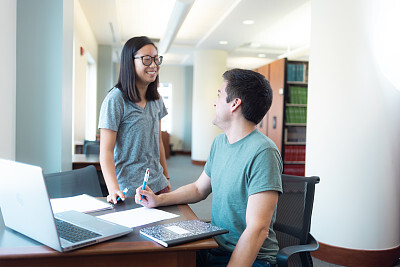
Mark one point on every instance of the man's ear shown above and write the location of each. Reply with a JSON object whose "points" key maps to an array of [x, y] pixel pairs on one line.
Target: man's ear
{"points": [[237, 102]]}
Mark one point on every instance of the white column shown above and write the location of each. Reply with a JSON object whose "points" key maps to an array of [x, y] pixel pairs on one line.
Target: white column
{"points": [[353, 124], [209, 65], [8, 20], [44, 83]]}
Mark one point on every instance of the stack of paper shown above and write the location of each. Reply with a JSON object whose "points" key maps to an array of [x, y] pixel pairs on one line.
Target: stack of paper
{"points": [[81, 203], [136, 217]]}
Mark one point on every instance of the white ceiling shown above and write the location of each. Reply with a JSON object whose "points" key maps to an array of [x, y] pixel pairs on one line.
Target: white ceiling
{"points": [[280, 26]]}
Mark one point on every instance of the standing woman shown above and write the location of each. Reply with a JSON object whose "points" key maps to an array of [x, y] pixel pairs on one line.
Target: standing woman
{"points": [[130, 124]]}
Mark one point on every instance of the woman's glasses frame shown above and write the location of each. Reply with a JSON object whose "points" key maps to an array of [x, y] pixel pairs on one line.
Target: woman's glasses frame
{"points": [[147, 60]]}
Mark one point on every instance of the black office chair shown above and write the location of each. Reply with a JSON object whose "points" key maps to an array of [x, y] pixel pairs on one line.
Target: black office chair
{"points": [[91, 147], [72, 183], [293, 221]]}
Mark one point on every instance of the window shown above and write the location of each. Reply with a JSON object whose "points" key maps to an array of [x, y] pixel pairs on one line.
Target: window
{"points": [[91, 96]]}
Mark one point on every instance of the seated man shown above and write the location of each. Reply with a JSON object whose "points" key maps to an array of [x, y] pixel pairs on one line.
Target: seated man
{"points": [[243, 171]]}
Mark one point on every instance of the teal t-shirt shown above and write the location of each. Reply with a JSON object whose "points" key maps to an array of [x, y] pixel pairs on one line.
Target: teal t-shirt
{"points": [[248, 166]]}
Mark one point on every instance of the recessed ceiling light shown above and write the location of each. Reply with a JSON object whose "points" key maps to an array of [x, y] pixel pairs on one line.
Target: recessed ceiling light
{"points": [[248, 22], [262, 55], [223, 42]]}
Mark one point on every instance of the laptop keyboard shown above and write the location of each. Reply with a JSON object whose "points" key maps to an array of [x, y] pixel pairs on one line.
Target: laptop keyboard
{"points": [[73, 233]]}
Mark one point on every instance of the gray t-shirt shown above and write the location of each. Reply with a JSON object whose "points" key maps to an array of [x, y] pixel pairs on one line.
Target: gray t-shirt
{"points": [[246, 167], [137, 143]]}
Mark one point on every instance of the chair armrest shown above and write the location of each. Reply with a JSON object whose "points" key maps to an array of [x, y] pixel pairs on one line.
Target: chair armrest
{"points": [[283, 255]]}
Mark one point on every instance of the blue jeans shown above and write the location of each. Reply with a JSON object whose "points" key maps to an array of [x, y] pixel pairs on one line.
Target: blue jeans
{"points": [[219, 258]]}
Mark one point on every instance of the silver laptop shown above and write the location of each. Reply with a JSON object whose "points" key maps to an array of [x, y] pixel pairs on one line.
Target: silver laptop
{"points": [[26, 208]]}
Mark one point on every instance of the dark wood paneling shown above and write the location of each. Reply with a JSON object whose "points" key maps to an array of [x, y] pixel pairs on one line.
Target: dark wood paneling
{"points": [[356, 257]]}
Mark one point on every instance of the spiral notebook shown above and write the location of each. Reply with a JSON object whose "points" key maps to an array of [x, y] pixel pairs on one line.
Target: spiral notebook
{"points": [[176, 233]]}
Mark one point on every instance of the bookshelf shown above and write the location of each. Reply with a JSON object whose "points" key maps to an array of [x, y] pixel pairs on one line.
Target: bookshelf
{"points": [[295, 117], [286, 121]]}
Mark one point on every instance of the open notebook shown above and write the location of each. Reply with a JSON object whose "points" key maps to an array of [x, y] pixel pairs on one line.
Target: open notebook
{"points": [[26, 208]]}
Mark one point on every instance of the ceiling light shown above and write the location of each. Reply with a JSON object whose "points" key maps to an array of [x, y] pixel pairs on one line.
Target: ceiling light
{"points": [[248, 22], [223, 42], [254, 45]]}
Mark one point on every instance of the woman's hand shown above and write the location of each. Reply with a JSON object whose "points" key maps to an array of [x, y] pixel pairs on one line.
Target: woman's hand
{"points": [[113, 195]]}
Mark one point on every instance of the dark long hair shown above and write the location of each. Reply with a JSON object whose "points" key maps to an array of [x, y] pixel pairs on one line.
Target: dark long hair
{"points": [[127, 74]]}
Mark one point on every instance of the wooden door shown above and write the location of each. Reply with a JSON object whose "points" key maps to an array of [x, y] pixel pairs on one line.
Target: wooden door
{"points": [[263, 125], [275, 114]]}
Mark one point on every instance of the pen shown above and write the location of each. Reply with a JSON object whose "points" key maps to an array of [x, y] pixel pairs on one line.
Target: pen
{"points": [[123, 193], [145, 179]]}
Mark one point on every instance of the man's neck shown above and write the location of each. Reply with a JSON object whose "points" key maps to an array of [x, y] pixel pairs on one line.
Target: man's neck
{"points": [[238, 130]]}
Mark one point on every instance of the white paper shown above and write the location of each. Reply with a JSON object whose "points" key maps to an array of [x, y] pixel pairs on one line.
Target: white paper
{"points": [[137, 217], [82, 203]]}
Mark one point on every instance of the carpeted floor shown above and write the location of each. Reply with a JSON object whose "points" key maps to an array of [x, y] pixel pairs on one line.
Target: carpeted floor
{"points": [[182, 172]]}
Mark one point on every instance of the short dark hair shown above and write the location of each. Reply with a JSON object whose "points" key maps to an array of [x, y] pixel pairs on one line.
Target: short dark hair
{"points": [[254, 91], [127, 74]]}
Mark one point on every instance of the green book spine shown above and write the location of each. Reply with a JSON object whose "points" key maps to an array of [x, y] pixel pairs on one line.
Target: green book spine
{"points": [[303, 95], [303, 115], [291, 95], [296, 115], [289, 115], [296, 94]]}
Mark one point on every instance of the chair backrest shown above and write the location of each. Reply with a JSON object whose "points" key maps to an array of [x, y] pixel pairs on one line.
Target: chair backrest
{"points": [[75, 182], [293, 216], [91, 147]]}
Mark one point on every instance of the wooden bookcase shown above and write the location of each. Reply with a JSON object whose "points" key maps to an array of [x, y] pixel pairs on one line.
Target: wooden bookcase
{"points": [[286, 121]]}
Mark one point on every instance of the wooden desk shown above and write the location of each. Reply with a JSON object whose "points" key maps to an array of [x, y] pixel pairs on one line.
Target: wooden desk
{"points": [[129, 250], [82, 160]]}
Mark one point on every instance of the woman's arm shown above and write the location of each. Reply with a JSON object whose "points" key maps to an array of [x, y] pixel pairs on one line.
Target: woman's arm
{"points": [[163, 160], [107, 163]]}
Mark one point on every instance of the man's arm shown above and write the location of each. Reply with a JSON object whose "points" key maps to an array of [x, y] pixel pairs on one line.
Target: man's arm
{"points": [[190, 193], [260, 209]]}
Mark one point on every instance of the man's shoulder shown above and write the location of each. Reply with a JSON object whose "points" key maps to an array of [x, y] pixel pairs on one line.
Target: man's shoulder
{"points": [[260, 140], [220, 138]]}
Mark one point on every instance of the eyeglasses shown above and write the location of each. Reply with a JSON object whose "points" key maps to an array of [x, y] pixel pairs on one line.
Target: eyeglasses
{"points": [[147, 60]]}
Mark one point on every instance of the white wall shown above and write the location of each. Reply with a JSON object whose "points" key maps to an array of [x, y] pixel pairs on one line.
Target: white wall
{"points": [[8, 20], [84, 38], [209, 65], [83, 31], [353, 127], [176, 76], [79, 91]]}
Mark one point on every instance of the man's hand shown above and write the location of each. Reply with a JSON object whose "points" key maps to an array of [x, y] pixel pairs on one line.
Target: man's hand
{"points": [[149, 200]]}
